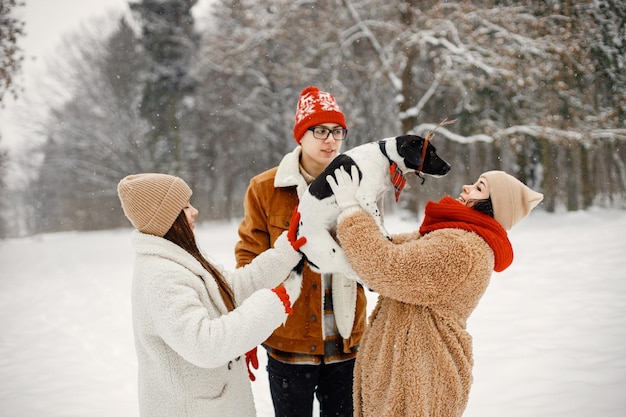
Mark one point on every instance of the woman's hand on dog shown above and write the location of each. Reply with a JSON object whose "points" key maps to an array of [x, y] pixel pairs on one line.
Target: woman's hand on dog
{"points": [[345, 186]]}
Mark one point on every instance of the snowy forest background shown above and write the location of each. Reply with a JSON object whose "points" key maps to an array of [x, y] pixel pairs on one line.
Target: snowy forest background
{"points": [[537, 89]]}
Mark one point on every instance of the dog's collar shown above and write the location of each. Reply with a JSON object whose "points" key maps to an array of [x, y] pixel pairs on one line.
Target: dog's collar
{"points": [[381, 144], [397, 176], [424, 149]]}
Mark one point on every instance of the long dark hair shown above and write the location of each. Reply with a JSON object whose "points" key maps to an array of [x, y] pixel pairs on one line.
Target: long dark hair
{"points": [[484, 206], [181, 234]]}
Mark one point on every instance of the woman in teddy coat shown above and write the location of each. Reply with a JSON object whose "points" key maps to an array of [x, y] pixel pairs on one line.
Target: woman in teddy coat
{"points": [[416, 358], [194, 322]]}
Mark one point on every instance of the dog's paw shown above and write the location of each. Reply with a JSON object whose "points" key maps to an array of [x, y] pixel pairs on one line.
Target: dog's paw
{"points": [[384, 231]]}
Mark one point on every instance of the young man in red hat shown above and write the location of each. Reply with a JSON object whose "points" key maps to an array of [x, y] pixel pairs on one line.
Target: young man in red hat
{"points": [[308, 355]]}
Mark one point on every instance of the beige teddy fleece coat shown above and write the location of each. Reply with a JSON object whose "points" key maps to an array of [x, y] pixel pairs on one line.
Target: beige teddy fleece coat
{"points": [[415, 358]]}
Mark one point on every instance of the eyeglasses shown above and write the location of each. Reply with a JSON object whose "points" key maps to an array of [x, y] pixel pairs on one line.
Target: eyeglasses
{"points": [[322, 133]]}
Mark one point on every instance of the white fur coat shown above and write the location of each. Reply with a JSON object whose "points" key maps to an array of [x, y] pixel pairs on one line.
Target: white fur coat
{"points": [[190, 350]]}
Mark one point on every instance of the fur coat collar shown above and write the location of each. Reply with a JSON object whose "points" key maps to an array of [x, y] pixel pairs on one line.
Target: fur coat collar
{"points": [[288, 173]]}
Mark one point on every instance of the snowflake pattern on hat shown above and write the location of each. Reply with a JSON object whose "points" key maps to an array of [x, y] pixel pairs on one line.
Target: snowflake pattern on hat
{"points": [[307, 104]]}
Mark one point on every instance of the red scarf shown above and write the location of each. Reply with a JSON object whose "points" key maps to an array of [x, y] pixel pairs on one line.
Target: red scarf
{"points": [[449, 213]]}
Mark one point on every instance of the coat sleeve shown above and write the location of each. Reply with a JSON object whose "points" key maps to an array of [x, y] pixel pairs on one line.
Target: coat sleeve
{"points": [[267, 270], [418, 271], [208, 338]]}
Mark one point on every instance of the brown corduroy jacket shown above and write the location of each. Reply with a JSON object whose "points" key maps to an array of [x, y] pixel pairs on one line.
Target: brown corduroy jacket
{"points": [[415, 358], [268, 206]]}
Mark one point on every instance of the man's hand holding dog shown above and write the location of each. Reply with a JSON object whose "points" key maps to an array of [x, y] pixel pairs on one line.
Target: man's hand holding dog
{"points": [[344, 187]]}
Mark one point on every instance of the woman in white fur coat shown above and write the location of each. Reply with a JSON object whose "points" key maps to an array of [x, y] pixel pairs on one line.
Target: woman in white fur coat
{"points": [[416, 357], [197, 326]]}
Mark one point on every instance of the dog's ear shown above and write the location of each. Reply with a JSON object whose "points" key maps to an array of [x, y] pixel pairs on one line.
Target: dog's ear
{"points": [[410, 149]]}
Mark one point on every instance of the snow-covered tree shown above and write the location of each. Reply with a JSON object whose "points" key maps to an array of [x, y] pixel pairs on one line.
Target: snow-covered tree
{"points": [[606, 40], [11, 30], [11, 57], [94, 132], [536, 88], [519, 79], [170, 41]]}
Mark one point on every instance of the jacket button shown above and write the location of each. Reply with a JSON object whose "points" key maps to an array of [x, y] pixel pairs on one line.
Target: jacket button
{"points": [[313, 348], [287, 224], [313, 318], [314, 286]]}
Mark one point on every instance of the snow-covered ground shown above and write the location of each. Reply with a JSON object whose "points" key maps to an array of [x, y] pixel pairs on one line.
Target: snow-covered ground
{"points": [[549, 334]]}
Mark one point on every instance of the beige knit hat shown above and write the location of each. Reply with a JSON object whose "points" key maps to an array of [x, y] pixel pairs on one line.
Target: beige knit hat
{"points": [[511, 199], [152, 202]]}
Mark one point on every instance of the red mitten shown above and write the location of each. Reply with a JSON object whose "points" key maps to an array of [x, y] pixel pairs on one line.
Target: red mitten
{"points": [[252, 360], [292, 233], [281, 292]]}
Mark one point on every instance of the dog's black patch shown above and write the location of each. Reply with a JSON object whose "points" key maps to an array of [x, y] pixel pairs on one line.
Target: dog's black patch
{"points": [[319, 188], [409, 147]]}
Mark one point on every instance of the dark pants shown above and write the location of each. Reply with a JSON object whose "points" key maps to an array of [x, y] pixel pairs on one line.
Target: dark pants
{"points": [[293, 386]]}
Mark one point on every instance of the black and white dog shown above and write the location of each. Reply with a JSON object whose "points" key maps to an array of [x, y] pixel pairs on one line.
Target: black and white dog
{"points": [[378, 163]]}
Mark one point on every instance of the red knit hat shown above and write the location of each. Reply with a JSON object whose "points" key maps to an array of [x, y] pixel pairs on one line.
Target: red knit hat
{"points": [[316, 107]]}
